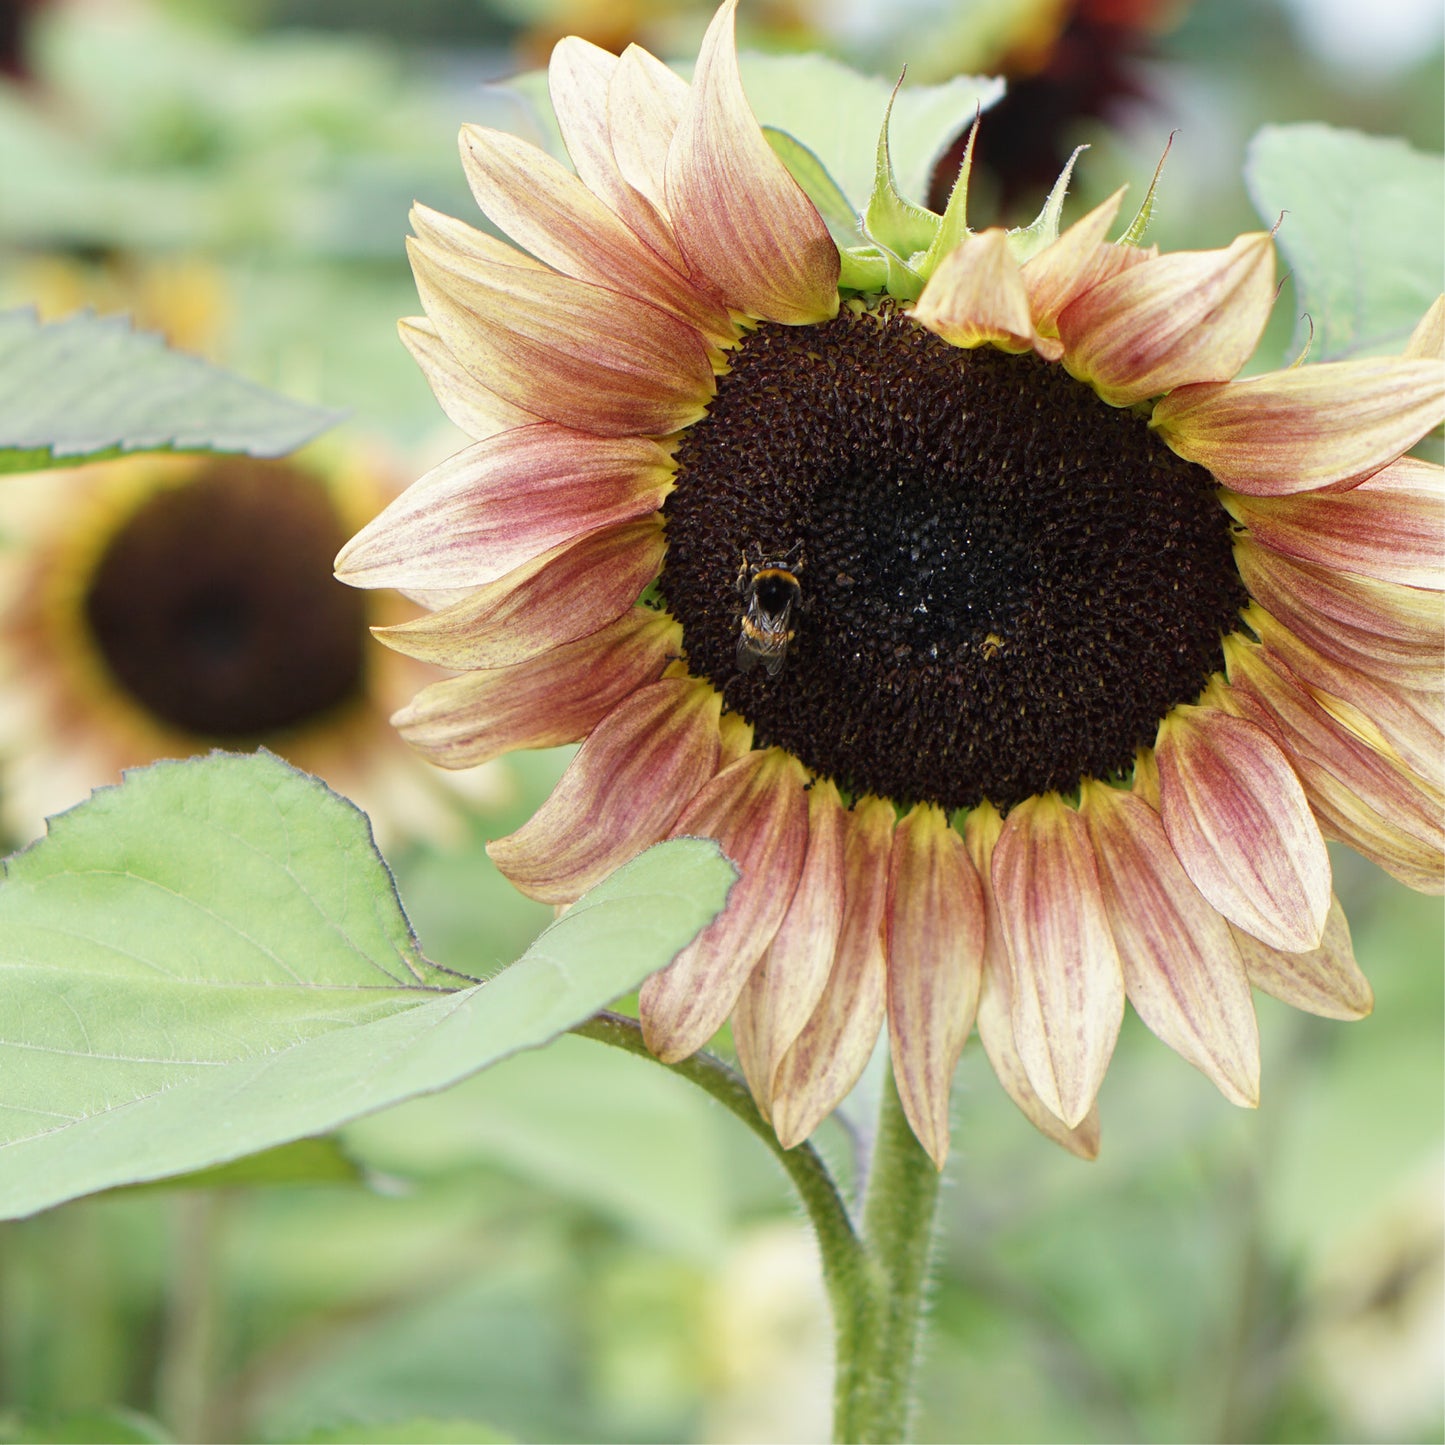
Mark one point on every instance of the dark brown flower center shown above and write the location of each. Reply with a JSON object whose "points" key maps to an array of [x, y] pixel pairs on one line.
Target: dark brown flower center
{"points": [[215, 607], [1003, 583]]}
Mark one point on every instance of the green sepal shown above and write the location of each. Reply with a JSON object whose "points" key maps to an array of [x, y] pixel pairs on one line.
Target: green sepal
{"points": [[863, 269], [902, 231], [1140, 223], [954, 225], [1043, 230]]}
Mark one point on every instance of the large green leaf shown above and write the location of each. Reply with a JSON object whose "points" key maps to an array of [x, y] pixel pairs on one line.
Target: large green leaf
{"points": [[1361, 232], [90, 387], [210, 960]]}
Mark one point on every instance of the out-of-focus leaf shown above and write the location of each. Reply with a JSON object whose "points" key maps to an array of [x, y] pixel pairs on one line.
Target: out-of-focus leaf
{"points": [[1361, 232], [423, 1431], [117, 1426], [305, 1161], [90, 387], [210, 960]]}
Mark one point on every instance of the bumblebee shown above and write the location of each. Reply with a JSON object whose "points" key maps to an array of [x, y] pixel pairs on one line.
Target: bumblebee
{"points": [[772, 597]]}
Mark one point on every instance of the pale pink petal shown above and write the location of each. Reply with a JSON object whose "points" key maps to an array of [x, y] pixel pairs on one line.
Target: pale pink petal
{"points": [[580, 78], [783, 990], [476, 410], [934, 927], [742, 221], [834, 1046], [558, 597], [1314, 426], [646, 105], [1189, 316], [1427, 341], [1390, 527], [1325, 981], [1241, 825], [547, 209], [638, 769], [1182, 972], [1068, 990], [572, 352], [1359, 795], [1068, 266], [503, 502], [557, 697], [460, 245], [995, 1004], [758, 812], [1389, 630], [977, 296]]}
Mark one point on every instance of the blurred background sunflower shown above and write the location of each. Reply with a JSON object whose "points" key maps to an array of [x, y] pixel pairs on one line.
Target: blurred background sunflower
{"points": [[564, 1248]]}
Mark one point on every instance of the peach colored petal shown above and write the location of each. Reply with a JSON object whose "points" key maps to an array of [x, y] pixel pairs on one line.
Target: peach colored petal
{"points": [[575, 353], [783, 990], [1182, 972], [461, 245], [503, 502], [557, 697], [758, 812], [1359, 795], [1427, 341], [1390, 527], [646, 105], [1325, 981], [1412, 725], [470, 405], [1391, 631], [1314, 426], [995, 1003], [1068, 990], [580, 78], [1241, 825], [977, 296], [558, 597], [742, 221], [834, 1046], [1189, 316], [934, 926], [547, 209], [1069, 265], [636, 772]]}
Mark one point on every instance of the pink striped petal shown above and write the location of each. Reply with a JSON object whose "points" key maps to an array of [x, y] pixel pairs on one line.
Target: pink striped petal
{"points": [[758, 812], [1315, 426], [1360, 796], [1325, 981], [459, 245], [575, 353], [639, 768], [470, 405], [1427, 341], [1410, 725], [783, 990], [1068, 990], [503, 502], [555, 698], [995, 1004], [934, 928], [1069, 265], [1389, 630], [646, 106], [1182, 972], [834, 1046], [740, 218], [977, 296], [1241, 825], [547, 209], [1389, 527], [558, 597], [1189, 316]]}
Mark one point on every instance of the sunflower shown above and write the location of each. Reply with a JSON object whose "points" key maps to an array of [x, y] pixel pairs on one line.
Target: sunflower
{"points": [[1020, 657], [161, 606]]}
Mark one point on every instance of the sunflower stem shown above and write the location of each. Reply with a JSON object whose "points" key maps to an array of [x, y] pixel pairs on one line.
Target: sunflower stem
{"points": [[898, 1218], [853, 1282]]}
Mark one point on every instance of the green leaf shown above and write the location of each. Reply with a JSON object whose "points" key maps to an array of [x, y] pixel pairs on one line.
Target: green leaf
{"points": [[810, 173], [114, 1424], [423, 1431], [305, 1161], [88, 388], [210, 960], [1361, 232]]}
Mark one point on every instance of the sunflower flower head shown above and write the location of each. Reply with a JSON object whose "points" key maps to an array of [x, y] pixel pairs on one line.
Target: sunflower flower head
{"points": [[1020, 656]]}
